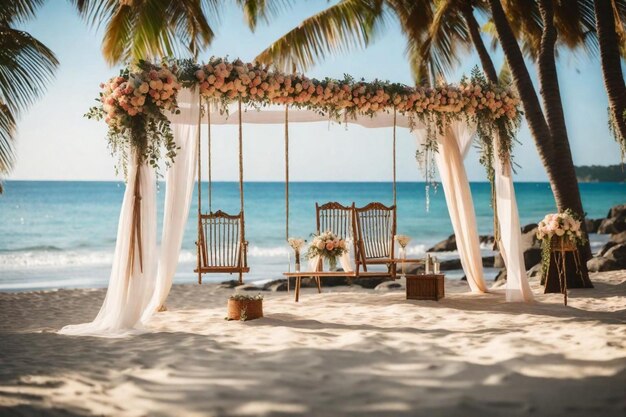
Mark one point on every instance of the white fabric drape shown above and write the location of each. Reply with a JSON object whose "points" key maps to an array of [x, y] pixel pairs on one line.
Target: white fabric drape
{"points": [[517, 287], [452, 146], [129, 289], [178, 194]]}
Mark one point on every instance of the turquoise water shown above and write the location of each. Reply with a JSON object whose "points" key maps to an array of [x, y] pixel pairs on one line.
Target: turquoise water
{"points": [[62, 234]]}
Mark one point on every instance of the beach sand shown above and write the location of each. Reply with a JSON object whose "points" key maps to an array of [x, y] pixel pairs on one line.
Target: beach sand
{"points": [[347, 351]]}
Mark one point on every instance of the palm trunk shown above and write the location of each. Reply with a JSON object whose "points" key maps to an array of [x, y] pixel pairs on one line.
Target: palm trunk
{"points": [[611, 65], [565, 186], [562, 180], [474, 32]]}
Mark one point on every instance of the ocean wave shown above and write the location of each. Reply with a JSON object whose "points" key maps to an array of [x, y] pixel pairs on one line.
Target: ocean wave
{"points": [[49, 248], [43, 256]]}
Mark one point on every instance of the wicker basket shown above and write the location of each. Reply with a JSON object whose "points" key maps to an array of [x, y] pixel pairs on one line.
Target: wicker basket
{"points": [[245, 309], [560, 244], [425, 287]]}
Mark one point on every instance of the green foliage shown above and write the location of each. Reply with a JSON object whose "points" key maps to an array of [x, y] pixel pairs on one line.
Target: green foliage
{"points": [[246, 297]]}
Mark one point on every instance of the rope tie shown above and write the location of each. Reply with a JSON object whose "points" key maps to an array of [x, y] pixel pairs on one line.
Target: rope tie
{"points": [[287, 172], [240, 159], [394, 157], [208, 106]]}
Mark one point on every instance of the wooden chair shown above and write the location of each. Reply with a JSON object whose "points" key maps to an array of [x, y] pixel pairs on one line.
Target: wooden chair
{"points": [[338, 219], [223, 247], [376, 228]]}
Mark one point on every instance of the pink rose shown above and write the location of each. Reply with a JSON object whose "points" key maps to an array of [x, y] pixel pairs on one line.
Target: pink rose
{"points": [[330, 246]]}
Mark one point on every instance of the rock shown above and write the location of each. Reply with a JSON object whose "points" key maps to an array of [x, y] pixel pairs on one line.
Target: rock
{"points": [[498, 262], [488, 261], [248, 287], [450, 264], [532, 257], [535, 271], [370, 282], [600, 264], [411, 269], [617, 253], [326, 281], [228, 284], [592, 225], [619, 237], [617, 211], [613, 225], [446, 245], [529, 228], [449, 244], [529, 237], [501, 275], [277, 285], [388, 286], [499, 284], [605, 248]]}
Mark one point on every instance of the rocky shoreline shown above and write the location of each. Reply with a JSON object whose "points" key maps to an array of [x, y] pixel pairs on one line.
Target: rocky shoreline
{"points": [[611, 257]]}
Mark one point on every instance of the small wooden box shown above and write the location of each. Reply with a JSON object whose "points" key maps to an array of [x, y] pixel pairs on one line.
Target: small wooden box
{"points": [[425, 287]]}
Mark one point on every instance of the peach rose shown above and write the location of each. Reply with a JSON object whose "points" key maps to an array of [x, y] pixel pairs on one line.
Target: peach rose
{"points": [[330, 246]]}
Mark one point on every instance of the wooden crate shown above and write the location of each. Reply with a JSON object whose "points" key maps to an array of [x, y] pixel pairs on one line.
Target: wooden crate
{"points": [[425, 287]]}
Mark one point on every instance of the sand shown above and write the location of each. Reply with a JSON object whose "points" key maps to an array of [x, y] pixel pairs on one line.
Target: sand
{"points": [[346, 352]]}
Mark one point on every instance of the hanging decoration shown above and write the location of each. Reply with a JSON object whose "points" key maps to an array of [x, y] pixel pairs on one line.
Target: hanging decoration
{"points": [[133, 104]]}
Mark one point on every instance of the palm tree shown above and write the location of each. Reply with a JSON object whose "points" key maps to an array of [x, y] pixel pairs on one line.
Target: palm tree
{"points": [[26, 67], [611, 35], [145, 29], [547, 129], [450, 24]]}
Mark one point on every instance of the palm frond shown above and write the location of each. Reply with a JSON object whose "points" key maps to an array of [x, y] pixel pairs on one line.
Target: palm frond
{"points": [[346, 25], [151, 28], [26, 67], [447, 34], [254, 10], [18, 11]]}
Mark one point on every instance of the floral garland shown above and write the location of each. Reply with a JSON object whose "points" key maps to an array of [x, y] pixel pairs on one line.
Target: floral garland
{"points": [[133, 104]]}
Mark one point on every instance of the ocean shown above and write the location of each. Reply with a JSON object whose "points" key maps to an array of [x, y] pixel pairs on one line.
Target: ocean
{"points": [[61, 234]]}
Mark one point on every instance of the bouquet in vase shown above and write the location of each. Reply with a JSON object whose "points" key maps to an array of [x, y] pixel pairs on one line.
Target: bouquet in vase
{"points": [[329, 246], [296, 244]]}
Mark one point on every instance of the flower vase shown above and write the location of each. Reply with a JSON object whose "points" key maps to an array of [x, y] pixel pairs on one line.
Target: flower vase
{"points": [[403, 257], [332, 264]]}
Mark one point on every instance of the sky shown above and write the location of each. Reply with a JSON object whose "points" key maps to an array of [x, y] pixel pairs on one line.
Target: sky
{"points": [[55, 141]]}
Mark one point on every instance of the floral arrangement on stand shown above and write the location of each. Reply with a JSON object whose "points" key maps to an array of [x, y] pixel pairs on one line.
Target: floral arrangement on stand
{"points": [[559, 231], [134, 105], [328, 246]]}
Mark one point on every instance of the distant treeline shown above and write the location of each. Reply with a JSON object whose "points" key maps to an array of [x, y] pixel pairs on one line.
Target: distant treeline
{"points": [[599, 173]]}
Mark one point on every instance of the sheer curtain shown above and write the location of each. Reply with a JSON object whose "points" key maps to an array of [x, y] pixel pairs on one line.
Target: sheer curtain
{"points": [[453, 145], [136, 293], [517, 287], [130, 285], [180, 181]]}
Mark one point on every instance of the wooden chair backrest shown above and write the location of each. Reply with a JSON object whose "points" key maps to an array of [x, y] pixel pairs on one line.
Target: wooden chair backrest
{"points": [[376, 225], [337, 218], [222, 237]]}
